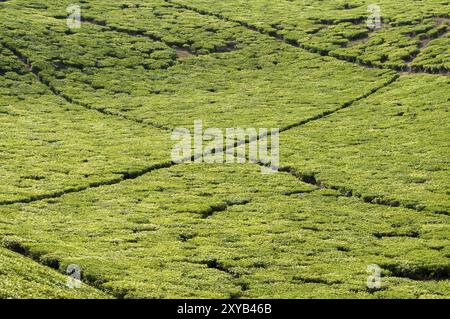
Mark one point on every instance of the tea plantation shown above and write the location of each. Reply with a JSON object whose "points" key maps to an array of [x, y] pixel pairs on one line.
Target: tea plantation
{"points": [[87, 115]]}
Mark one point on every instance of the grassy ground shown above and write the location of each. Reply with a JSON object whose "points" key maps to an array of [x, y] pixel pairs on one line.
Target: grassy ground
{"points": [[85, 149]]}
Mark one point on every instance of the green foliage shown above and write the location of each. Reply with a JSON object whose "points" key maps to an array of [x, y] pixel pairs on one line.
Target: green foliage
{"points": [[23, 278], [340, 29], [49, 146], [392, 145], [223, 89], [154, 240], [85, 165]]}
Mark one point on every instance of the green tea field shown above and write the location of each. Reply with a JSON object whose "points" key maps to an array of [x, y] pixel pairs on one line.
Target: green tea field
{"points": [[349, 98]]}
